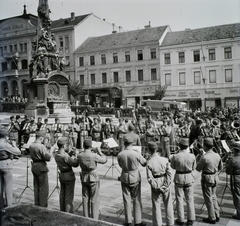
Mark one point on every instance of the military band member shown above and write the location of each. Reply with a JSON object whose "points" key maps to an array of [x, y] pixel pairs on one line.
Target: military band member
{"points": [[39, 123], [141, 130], [121, 130], [73, 130], [184, 163], [88, 161], [130, 178], [40, 156], [233, 169], [150, 132], [165, 140], [45, 127], [111, 129], [57, 127], [210, 164], [133, 135], [96, 130], [32, 128], [67, 176], [159, 177], [24, 130], [13, 129]]}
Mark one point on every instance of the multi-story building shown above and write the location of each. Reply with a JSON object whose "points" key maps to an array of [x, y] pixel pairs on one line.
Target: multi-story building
{"points": [[17, 34], [121, 68], [202, 66]]}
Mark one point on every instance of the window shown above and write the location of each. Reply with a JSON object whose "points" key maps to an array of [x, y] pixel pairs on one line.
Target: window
{"points": [[153, 74], [67, 60], [60, 42], [167, 58], [181, 57], [168, 79], [104, 77], [211, 54], [212, 76], [140, 55], [92, 79], [128, 76], [92, 60], [15, 47], [196, 55], [103, 58], [228, 53], [21, 48], [24, 64], [82, 80], [115, 77], [5, 48], [11, 48], [197, 77], [1, 51], [4, 66], [140, 75], [127, 56], [153, 53], [14, 65], [115, 58], [66, 41], [228, 75], [182, 78], [81, 61], [25, 47]]}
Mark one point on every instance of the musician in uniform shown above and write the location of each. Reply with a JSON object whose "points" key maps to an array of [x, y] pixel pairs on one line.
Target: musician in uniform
{"points": [[121, 130], [165, 140], [96, 130], [45, 127], [39, 123], [133, 135], [141, 130], [130, 178], [23, 128], [40, 156], [56, 130], [13, 129], [159, 177], [210, 164], [88, 161], [233, 169], [67, 176], [73, 130], [6, 166], [184, 163]]}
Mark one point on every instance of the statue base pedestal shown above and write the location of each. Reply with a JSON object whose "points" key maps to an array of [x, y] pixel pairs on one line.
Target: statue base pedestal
{"points": [[37, 111]]}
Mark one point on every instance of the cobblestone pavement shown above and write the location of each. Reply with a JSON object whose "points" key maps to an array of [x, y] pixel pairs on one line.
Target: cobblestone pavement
{"points": [[111, 206]]}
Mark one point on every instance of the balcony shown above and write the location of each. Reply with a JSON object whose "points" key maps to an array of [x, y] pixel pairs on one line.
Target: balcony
{"points": [[9, 73]]}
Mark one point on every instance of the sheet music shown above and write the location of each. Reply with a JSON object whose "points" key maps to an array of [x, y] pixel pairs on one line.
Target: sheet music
{"points": [[96, 144], [111, 143], [138, 149], [225, 146]]}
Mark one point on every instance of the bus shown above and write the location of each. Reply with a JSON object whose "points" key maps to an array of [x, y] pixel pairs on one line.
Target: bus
{"points": [[161, 105]]}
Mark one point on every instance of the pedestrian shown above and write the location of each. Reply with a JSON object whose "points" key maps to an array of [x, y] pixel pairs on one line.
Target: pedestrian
{"points": [[210, 164], [184, 163], [8, 149], [66, 176], [88, 160], [159, 176], [233, 169], [40, 155], [130, 178]]}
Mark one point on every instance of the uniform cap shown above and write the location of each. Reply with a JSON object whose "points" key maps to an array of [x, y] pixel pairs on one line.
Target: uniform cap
{"points": [[128, 140], [184, 141], [41, 133], [87, 143], [62, 141], [152, 145], [3, 132], [131, 127], [208, 141]]}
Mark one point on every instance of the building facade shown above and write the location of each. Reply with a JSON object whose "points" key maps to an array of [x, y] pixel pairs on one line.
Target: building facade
{"points": [[18, 35], [121, 68], [202, 66]]}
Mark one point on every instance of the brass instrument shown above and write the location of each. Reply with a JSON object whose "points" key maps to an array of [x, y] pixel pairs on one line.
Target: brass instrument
{"points": [[235, 124], [215, 122]]}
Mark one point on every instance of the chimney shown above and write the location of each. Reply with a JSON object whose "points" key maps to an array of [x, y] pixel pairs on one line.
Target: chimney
{"points": [[120, 28], [114, 29], [24, 10], [148, 26], [72, 16]]}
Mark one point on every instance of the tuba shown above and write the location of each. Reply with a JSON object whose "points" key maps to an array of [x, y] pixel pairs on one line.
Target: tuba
{"points": [[235, 124], [215, 122]]}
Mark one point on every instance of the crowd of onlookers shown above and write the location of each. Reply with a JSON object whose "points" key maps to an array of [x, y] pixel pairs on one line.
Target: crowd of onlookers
{"points": [[13, 99]]}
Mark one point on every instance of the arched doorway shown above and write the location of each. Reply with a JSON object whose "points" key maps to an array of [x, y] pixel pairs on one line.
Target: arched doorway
{"points": [[14, 87], [24, 89], [4, 89]]}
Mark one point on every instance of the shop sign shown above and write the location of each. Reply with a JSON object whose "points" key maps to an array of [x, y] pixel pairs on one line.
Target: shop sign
{"points": [[141, 90], [212, 92], [234, 91], [12, 27], [182, 94], [195, 94]]}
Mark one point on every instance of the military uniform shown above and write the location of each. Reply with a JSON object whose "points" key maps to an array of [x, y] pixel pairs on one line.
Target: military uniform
{"points": [[96, 131], [121, 130], [39, 156], [90, 180], [130, 178], [184, 163], [159, 177], [209, 164], [67, 179]]}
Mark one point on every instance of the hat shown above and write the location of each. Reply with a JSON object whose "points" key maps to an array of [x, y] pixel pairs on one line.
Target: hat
{"points": [[3, 132], [131, 127], [128, 140], [62, 141], [184, 141], [208, 141], [199, 121], [152, 145], [87, 143], [18, 116], [41, 133]]}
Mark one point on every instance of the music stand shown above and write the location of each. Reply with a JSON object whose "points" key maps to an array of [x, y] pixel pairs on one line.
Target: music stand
{"points": [[26, 186], [226, 186], [56, 187], [113, 165]]}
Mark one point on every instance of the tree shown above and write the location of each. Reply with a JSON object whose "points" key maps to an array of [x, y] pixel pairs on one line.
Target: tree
{"points": [[75, 88], [160, 92]]}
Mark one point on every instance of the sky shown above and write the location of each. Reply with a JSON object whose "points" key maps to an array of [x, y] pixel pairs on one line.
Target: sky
{"points": [[135, 14]]}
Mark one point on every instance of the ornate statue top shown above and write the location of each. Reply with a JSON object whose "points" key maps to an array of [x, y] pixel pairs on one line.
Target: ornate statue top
{"points": [[45, 57]]}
